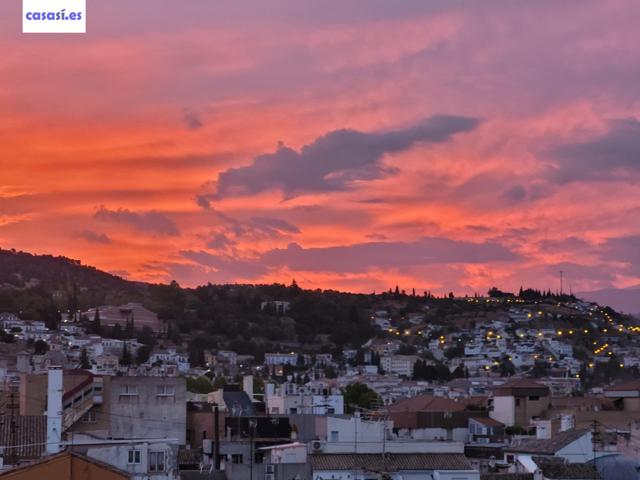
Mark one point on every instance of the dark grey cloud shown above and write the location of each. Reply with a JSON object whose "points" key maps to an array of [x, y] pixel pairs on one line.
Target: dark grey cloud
{"points": [[567, 244], [228, 264], [229, 230], [275, 224], [614, 155], [151, 221], [332, 162], [219, 241], [93, 237], [517, 193], [192, 119], [364, 256]]}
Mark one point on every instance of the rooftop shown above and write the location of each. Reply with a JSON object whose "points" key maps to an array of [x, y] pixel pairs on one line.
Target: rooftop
{"points": [[547, 446], [390, 462]]}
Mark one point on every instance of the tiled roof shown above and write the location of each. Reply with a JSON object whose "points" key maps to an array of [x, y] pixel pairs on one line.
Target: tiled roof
{"points": [[520, 385], [28, 431], [547, 446], [629, 386], [427, 403], [66, 456], [390, 462], [507, 476], [488, 421], [558, 469]]}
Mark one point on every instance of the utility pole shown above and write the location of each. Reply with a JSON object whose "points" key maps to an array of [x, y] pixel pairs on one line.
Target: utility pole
{"points": [[11, 454], [252, 432], [594, 439], [561, 281]]}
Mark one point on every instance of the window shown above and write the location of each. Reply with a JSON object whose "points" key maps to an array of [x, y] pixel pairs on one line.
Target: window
{"points": [[293, 410], [156, 462], [134, 457], [236, 458], [517, 402], [89, 417], [128, 390], [335, 434], [534, 397], [166, 390], [331, 410]]}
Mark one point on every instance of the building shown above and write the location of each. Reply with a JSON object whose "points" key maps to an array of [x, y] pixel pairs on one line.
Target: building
{"points": [[395, 466], [486, 430], [65, 466], [427, 417], [290, 398], [519, 401], [129, 314], [279, 359], [625, 396], [401, 365], [573, 445]]}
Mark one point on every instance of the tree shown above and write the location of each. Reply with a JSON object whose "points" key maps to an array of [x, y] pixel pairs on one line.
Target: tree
{"points": [[146, 336], [125, 359], [50, 315], [85, 364], [143, 353], [40, 347], [358, 395], [199, 385], [95, 326]]}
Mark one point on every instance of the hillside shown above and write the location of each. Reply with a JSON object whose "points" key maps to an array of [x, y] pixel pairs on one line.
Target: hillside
{"points": [[31, 283], [234, 316]]}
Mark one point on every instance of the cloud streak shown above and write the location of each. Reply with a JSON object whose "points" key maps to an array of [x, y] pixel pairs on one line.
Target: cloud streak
{"points": [[153, 222]]}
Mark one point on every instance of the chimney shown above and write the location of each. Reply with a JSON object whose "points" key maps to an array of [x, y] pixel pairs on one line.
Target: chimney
{"points": [[54, 410], [247, 385], [567, 422]]}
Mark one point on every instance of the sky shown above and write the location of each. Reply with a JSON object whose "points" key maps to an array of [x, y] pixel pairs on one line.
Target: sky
{"points": [[349, 144]]}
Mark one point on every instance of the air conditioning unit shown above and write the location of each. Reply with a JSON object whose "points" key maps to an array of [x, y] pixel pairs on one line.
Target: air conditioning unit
{"points": [[269, 469], [317, 446]]}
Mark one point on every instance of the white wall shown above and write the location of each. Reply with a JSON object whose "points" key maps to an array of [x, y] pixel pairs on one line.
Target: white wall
{"points": [[579, 451], [401, 475], [504, 410]]}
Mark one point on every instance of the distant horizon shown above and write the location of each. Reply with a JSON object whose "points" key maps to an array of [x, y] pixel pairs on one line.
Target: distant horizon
{"points": [[407, 291]]}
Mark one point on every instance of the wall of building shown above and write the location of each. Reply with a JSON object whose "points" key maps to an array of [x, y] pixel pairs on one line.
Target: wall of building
{"points": [[456, 475], [452, 434], [530, 407], [147, 414], [118, 456], [504, 410]]}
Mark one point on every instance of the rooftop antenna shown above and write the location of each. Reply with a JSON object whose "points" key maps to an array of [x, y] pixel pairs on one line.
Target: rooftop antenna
{"points": [[561, 275]]}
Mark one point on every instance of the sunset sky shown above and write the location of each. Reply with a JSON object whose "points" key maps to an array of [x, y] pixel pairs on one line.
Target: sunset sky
{"points": [[349, 144]]}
